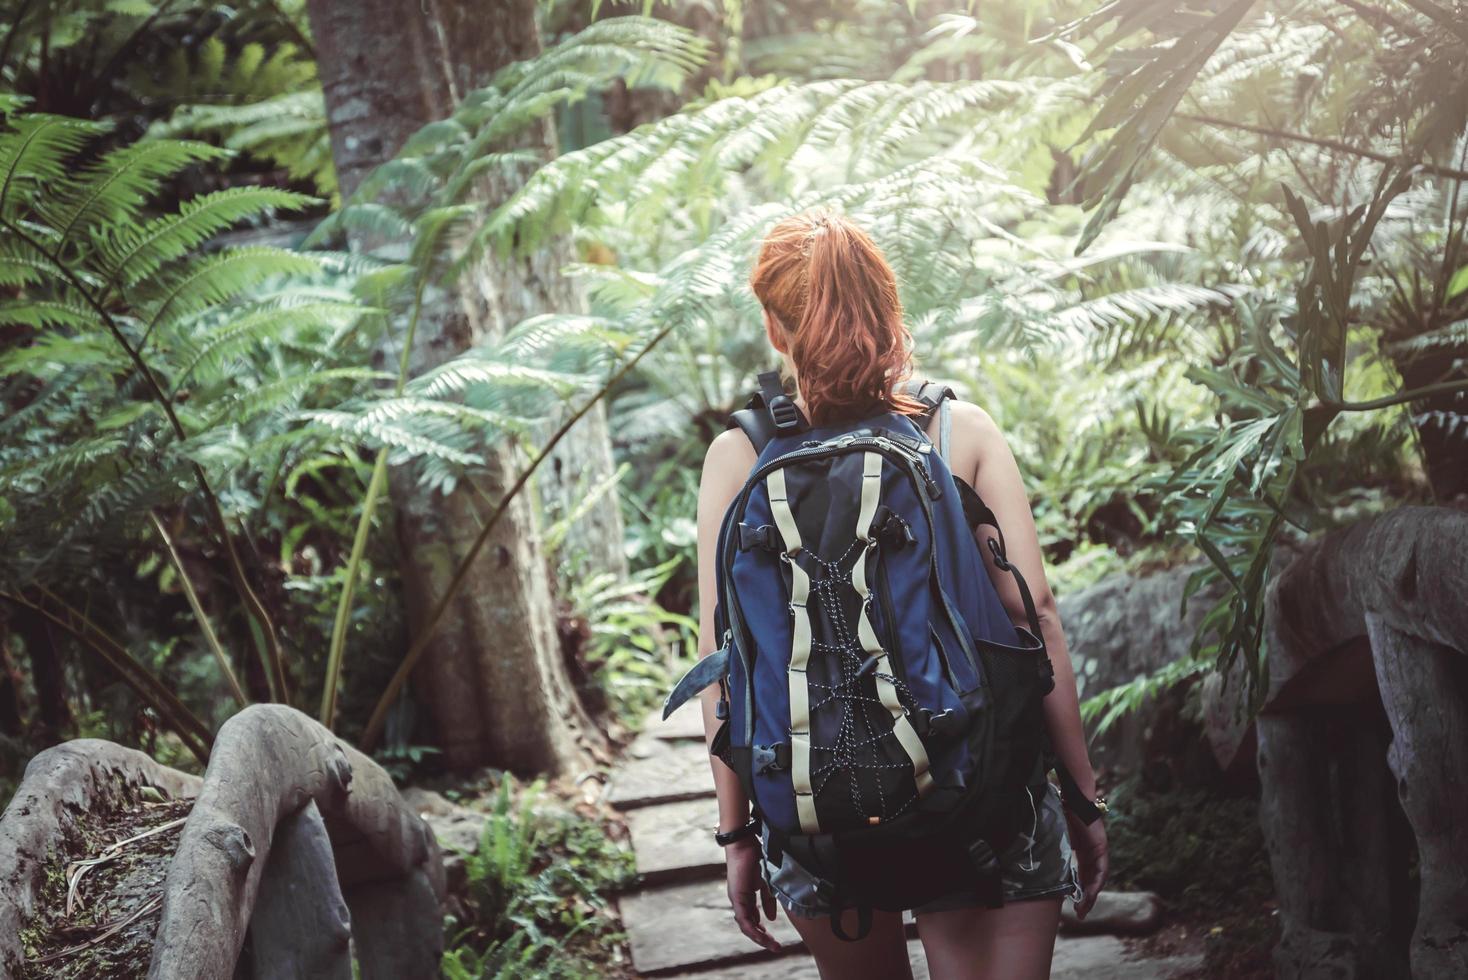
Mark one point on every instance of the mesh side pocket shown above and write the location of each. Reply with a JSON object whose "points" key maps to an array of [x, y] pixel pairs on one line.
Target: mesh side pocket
{"points": [[1019, 718]]}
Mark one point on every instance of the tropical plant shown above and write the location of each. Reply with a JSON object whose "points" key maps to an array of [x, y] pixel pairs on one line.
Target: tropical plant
{"points": [[1356, 116], [133, 61], [633, 645], [150, 377], [125, 383]]}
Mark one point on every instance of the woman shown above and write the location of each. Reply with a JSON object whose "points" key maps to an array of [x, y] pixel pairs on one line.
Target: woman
{"points": [[831, 310]]}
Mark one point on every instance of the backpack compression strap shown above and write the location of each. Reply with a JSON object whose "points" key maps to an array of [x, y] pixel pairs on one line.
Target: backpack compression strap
{"points": [[768, 413]]}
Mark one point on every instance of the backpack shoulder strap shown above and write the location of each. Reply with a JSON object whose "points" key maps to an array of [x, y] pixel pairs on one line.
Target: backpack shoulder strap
{"points": [[768, 413], [935, 398]]}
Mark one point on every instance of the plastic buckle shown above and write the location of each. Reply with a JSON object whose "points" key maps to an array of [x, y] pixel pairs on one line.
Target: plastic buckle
{"points": [[941, 724], [784, 413], [771, 758], [756, 537]]}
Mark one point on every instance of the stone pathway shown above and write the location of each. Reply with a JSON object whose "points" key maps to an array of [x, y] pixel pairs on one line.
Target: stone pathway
{"points": [[678, 920]]}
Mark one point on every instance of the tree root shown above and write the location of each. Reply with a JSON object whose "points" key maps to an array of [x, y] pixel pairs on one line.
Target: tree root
{"points": [[268, 762], [60, 787], [295, 839]]}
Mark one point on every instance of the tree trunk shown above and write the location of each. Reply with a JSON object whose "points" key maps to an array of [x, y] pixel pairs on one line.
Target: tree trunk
{"points": [[12, 721], [1397, 581], [53, 713], [289, 829], [494, 678]]}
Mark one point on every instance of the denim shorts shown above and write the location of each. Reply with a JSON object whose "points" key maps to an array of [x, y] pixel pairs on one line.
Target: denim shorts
{"points": [[1038, 864]]}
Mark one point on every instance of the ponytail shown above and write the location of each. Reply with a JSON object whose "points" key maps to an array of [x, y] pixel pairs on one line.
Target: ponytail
{"points": [[828, 285]]}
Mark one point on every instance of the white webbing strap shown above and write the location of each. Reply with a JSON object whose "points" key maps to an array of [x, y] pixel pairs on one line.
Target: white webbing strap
{"points": [[800, 637], [780, 507], [907, 736]]}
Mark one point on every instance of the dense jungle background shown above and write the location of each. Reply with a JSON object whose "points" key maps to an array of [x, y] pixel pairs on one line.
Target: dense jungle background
{"points": [[360, 358]]}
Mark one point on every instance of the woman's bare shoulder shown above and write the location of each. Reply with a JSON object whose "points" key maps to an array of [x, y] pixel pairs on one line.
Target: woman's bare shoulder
{"points": [[729, 458], [975, 439], [972, 419]]}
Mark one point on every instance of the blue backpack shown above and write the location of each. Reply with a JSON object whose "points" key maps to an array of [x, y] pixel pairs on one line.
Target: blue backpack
{"points": [[879, 707]]}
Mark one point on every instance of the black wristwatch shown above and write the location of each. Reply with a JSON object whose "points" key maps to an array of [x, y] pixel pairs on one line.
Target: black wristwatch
{"points": [[726, 837]]}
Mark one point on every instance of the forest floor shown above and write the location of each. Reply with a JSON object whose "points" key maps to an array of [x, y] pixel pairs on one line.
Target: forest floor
{"points": [[677, 917], [100, 906]]}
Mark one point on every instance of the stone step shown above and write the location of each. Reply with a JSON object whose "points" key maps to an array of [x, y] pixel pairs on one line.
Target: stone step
{"points": [[689, 926], [685, 723], [1076, 958], [661, 771], [686, 926], [675, 841]]}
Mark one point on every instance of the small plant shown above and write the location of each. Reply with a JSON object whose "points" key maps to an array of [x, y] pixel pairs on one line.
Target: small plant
{"points": [[536, 901]]}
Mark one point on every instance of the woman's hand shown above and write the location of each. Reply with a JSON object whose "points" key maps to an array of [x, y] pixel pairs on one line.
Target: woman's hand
{"points": [[1088, 841], [748, 891]]}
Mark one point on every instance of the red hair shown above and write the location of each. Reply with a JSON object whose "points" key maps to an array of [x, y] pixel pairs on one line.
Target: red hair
{"points": [[831, 290]]}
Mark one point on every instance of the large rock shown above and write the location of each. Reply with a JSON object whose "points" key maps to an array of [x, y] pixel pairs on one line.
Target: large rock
{"points": [[1125, 627], [457, 828]]}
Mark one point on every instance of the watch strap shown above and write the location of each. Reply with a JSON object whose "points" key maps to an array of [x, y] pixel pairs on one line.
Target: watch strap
{"points": [[726, 837]]}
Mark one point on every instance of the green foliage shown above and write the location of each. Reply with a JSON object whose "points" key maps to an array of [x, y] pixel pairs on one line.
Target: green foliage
{"points": [[1349, 118], [1103, 710], [263, 102], [536, 902], [635, 645], [1201, 849]]}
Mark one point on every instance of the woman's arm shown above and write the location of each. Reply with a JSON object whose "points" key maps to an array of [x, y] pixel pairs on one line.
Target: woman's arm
{"points": [[990, 467], [725, 467], [996, 477]]}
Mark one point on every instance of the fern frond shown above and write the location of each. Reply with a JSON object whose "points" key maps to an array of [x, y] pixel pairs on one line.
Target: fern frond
{"points": [[412, 441], [24, 266], [36, 150], [133, 254], [250, 403], [118, 184], [42, 314], [219, 278], [259, 324], [473, 368]]}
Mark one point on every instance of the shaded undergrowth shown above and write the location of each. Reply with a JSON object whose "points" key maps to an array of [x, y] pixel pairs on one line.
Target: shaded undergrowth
{"points": [[1203, 852]]}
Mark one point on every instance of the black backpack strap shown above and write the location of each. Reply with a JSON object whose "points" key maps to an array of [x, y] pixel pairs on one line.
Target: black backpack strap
{"points": [[768, 413], [935, 398]]}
